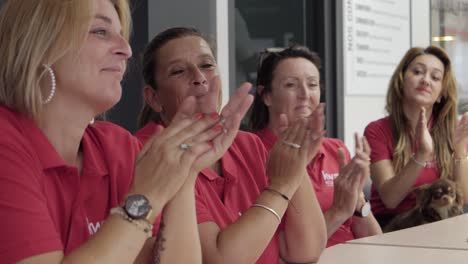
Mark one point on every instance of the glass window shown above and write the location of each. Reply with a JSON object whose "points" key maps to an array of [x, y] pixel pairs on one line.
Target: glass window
{"points": [[260, 24], [449, 29]]}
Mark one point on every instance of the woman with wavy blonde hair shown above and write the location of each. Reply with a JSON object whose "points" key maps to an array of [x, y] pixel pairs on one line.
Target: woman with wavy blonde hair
{"points": [[420, 140], [75, 191]]}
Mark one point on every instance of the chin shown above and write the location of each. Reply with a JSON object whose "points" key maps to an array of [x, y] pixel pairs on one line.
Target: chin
{"points": [[303, 114], [107, 103]]}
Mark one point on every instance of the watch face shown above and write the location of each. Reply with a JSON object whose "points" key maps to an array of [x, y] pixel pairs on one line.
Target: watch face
{"points": [[137, 206], [366, 209]]}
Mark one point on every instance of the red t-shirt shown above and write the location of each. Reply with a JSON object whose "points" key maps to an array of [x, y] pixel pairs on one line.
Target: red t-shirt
{"points": [[146, 132], [223, 199], [45, 205], [323, 169], [380, 137]]}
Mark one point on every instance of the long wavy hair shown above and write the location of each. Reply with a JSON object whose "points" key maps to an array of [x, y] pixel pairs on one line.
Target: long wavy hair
{"points": [[444, 113]]}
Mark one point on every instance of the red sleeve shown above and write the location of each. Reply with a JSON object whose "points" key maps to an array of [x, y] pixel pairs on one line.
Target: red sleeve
{"points": [[26, 227], [379, 136]]}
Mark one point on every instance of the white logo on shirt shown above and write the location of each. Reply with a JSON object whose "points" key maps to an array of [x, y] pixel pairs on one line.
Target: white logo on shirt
{"points": [[93, 227], [329, 177]]}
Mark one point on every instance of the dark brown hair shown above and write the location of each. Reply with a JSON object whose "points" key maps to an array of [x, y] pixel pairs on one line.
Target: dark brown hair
{"points": [[268, 62], [149, 62]]}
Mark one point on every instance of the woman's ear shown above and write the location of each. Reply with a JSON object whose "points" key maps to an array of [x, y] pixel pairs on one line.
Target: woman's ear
{"points": [[266, 97], [152, 98]]}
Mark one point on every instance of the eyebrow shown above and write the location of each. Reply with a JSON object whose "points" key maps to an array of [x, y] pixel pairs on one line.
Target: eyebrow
{"points": [[202, 56], [104, 18], [422, 64]]}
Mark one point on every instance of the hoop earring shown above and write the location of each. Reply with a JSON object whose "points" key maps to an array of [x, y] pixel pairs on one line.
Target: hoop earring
{"points": [[53, 85]]}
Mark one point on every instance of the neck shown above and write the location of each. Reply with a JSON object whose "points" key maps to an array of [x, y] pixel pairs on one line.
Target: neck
{"points": [[64, 129], [216, 167]]}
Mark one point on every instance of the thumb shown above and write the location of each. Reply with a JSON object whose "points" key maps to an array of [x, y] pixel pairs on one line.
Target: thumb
{"points": [[186, 109], [283, 123]]}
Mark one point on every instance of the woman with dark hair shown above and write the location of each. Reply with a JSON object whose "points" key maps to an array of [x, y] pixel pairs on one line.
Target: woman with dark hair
{"points": [[419, 141], [77, 191], [288, 82], [239, 207]]}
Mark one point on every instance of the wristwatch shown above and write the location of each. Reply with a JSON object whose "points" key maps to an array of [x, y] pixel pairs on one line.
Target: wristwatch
{"points": [[364, 211], [137, 207]]}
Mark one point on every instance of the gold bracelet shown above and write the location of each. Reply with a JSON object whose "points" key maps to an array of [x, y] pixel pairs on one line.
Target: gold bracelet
{"points": [[142, 224], [269, 210]]}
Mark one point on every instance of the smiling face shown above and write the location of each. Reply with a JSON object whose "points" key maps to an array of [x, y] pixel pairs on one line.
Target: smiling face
{"points": [[186, 67], [423, 81], [295, 89], [91, 76]]}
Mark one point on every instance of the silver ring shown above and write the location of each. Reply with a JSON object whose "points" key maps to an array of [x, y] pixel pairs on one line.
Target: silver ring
{"points": [[292, 145], [222, 120], [185, 146]]}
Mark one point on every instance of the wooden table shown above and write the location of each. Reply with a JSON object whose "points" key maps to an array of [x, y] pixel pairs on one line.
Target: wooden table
{"points": [[378, 254], [450, 233]]}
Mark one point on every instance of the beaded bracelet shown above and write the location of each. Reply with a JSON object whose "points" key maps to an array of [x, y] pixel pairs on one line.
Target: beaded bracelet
{"points": [[142, 224], [457, 161], [420, 163]]}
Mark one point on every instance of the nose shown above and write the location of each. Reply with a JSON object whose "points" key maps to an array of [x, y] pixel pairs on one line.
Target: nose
{"points": [[198, 77], [425, 79], [122, 47], [303, 90]]}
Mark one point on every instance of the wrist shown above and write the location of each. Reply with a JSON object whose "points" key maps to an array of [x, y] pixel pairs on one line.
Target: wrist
{"points": [[459, 153], [360, 202], [156, 202], [422, 157], [364, 210], [338, 215], [285, 189]]}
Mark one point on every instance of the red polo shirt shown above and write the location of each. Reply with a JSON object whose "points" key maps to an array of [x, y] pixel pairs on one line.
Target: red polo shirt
{"points": [[45, 205], [145, 133], [380, 137], [323, 169], [223, 199]]}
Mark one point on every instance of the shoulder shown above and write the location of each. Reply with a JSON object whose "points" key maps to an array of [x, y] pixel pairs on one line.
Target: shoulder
{"points": [[333, 143], [14, 134], [380, 124], [248, 141], [113, 137], [330, 147], [379, 129], [146, 132]]}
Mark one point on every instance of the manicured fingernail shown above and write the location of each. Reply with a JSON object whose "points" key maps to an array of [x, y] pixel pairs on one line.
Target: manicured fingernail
{"points": [[214, 116], [199, 116], [218, 127]]}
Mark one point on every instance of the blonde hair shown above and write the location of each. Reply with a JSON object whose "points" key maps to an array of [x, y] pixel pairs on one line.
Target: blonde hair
{"points": [[444, 113], [37, 32]]}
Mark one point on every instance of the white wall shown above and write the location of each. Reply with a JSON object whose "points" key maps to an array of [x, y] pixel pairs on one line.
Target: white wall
{"points": [[360, 110]]}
